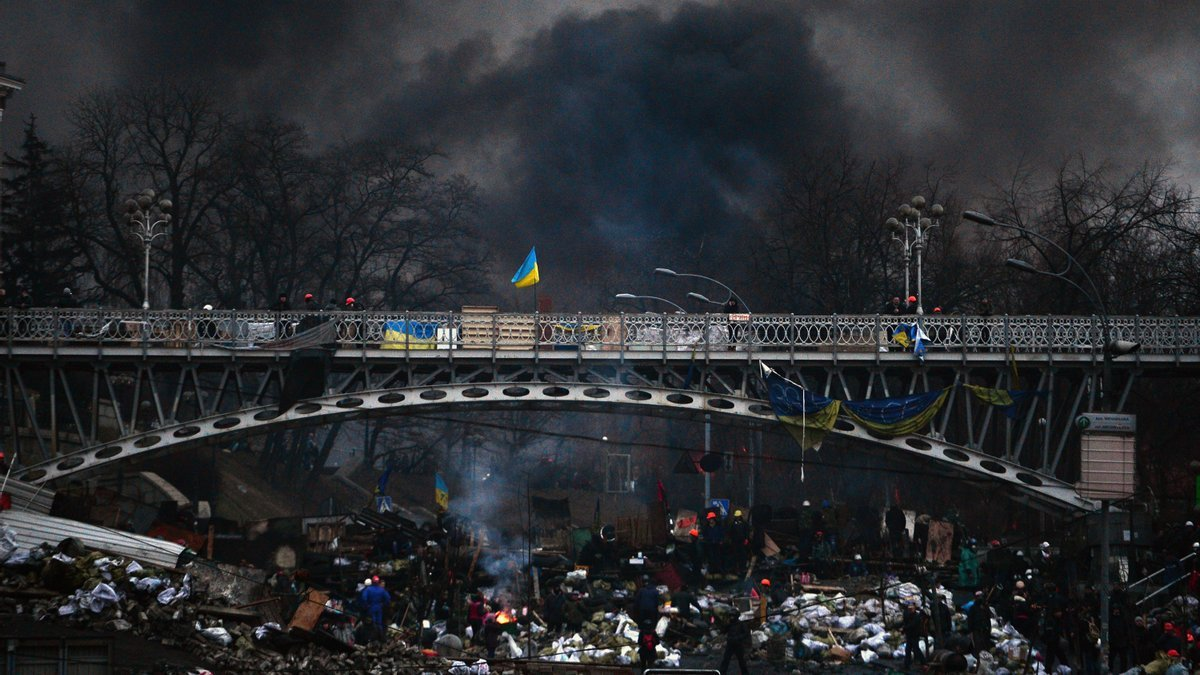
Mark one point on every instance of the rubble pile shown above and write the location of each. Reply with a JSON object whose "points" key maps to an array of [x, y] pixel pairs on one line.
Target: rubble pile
{"points": [[73, 586]]}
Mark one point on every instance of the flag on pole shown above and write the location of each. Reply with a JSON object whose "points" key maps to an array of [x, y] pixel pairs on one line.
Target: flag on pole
{"points": [[527, 275], [441, 493]]}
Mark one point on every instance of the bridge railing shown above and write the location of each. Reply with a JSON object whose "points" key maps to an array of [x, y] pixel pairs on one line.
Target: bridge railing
{"points": [[588, 332]]}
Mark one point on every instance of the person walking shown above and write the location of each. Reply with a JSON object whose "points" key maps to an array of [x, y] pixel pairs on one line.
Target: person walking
{"points": [[914, 629], [979, 624], [737, 642], [374, 599]]}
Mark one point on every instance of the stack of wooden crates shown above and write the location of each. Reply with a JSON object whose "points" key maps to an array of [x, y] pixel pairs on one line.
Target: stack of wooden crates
{"points": [[483, 327]]}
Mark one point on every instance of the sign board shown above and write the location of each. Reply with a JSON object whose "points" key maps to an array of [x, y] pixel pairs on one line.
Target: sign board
{"points": [[1108, 465], [721, 505], [739, 317], [1112, 423]]}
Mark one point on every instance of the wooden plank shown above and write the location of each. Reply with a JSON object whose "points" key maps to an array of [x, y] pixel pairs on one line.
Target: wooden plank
{"points": [[309, 611]]}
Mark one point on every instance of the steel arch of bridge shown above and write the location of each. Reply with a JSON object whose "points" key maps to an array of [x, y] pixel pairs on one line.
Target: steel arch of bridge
{"points": [[1040, 489]]}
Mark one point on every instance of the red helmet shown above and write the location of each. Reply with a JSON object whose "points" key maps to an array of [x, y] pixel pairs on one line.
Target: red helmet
{"points": [[308, 296], [912, 298], [349, 301]]}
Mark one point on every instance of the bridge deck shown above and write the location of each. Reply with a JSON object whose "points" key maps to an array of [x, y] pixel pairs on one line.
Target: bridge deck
{"points": [[563, 337]]}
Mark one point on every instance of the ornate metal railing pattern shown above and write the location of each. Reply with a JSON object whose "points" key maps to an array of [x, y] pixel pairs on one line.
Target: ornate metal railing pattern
{"points": [[606, 332]]}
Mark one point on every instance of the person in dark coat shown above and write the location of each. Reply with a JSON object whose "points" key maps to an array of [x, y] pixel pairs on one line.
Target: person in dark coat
{"points": [[282, 304], [737, 643], [647, 646], [645, 602], [914, 628], [979, 624]]}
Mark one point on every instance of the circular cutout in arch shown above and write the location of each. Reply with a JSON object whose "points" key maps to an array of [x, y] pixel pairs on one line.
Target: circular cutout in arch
{"points": [[637, 395], [110, 451], [307, 408], [266, 415], [596, 392], [712, 462], [227, 423], [1029, 479], [433, 395], [147, 441], [351, 402], [190, 430], [392, 398], [760, 409], [555, 392], [33, 474], [918, 444], [720, 404], [956, 455], [516, 392], [843, 425], [680, 399], [69, 463], [993, 466], [475, 392]]}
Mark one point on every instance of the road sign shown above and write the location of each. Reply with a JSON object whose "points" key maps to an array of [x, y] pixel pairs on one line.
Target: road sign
{"points": [[1109, 423], [721, 505]]}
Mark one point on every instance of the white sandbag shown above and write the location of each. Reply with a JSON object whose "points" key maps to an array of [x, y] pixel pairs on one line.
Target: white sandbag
{"points": [[661, 628], [845, 621], [868, 656], [218, 635]]}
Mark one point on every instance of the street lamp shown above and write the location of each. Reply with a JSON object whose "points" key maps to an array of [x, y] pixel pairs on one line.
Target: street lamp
{"points": [[672, 273], [631, 296], [8, 85], [911, 229], [1112, 349], [146, 216]]}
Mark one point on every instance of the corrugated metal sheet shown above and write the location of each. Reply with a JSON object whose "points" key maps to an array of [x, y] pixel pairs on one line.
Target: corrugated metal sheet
{"points": [[27, 497], [34, 529]]}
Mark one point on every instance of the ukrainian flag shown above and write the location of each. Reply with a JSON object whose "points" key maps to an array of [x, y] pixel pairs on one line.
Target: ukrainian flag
{"points": [[527, 275], [410, 335], [441, 493]]}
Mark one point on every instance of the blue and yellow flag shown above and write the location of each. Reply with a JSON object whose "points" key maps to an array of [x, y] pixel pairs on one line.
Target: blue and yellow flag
{"points": [[441, 493], [410, 335], [527, 275]]}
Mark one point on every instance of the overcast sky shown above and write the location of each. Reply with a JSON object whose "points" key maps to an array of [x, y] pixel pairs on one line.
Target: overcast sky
{"points": [[593, 124]]}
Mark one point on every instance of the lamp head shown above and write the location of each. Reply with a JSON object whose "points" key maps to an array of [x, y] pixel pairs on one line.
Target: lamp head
{"points": [[666, 272], [1018, 264], [980, 218], [1121, 347], [893, 225], [937, 211], [918, 202], [701, 298], [626, 296]]}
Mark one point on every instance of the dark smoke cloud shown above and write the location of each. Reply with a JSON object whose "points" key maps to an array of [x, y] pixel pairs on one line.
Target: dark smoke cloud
{"points": [[621, 135]]}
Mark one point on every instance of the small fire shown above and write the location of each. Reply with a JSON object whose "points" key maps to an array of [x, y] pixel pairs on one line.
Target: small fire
{"points": [[503, 617]]}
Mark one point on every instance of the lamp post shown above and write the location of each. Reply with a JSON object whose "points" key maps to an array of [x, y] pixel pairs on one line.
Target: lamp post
{"points": [[631, 296], [672, 273], [150, 220], [911, 230], [1111, 349], [8, 85]]}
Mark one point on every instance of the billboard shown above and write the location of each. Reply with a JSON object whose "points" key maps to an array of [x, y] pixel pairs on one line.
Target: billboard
{"points": [[1108, 468]]}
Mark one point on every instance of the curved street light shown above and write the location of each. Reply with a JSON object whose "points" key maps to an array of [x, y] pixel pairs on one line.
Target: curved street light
{"points": [[631, 296], [1112, 349], [672, 273], [146, 216]]}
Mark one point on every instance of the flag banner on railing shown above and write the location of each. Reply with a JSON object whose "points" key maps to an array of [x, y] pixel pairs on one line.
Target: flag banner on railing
{"points": [[898, 415], [1009, 401], [910, 336], [407, 334], [809, 416]]}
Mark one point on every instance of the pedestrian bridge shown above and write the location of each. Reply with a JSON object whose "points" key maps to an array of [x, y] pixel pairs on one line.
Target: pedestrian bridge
{"points": [[87, 388]]}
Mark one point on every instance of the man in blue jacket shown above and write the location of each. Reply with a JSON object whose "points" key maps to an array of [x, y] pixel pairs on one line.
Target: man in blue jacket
{"points": [[374, 599]]}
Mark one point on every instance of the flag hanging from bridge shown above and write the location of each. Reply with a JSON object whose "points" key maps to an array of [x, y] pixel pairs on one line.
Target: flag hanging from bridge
{"points": [[810, 416], [1011, 402]]}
